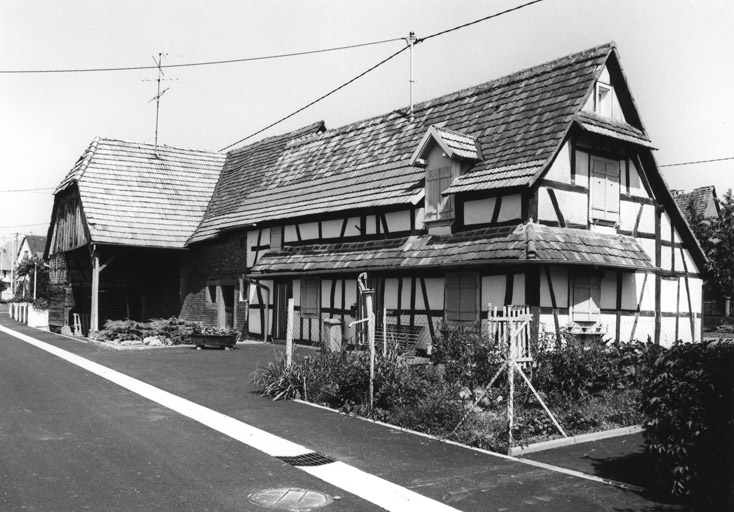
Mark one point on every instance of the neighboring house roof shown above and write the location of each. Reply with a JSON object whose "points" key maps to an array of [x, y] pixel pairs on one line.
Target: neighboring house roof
{"points": [[36, 245], [702, 201], [508, 244], [133, 194], [518, 122]]}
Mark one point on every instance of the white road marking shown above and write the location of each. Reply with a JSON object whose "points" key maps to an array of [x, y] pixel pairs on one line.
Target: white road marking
{"points": [[371, 488]]}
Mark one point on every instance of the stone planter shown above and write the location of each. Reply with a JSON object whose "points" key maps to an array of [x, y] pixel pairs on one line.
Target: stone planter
{"points": [[37, 317], [213, 340]]}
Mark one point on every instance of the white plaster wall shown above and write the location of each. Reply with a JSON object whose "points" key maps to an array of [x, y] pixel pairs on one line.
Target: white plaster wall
{"points": [[434, 290], [561, 168], [398, 221], [391, 293], [669, 295], [582, 169], [545, 206], [326, 293], [493, 291], [666, 257], [371, 227], [352, 227], [636, 187], [309, 230], [251, 242], [289, 234], [559, 279], [628, 215], [647, 221], [511, 208], [479, 211], [350, 293], [648, 245], [331, 228]]}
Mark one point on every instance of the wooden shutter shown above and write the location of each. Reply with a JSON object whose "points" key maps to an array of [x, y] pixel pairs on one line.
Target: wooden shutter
{"points": [[586, 298], [460, 298], [446, 203], [309, 297], [604, 202], [432, 193]]}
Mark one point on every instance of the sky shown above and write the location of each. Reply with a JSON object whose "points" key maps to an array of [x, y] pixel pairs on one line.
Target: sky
{"points": [[677, 55]]}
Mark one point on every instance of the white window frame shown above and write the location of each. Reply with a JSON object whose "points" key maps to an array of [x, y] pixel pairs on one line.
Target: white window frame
{"points": [[606, 108], [457, 281]]}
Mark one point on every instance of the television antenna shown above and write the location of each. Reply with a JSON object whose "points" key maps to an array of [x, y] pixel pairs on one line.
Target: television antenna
{"points": [[157, 97]]}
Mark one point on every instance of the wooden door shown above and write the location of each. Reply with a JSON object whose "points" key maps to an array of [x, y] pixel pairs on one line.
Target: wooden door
{"points": [[280, 313]]}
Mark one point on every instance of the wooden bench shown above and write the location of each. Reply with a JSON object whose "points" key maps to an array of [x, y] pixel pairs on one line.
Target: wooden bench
{"points": [[405, 336]]}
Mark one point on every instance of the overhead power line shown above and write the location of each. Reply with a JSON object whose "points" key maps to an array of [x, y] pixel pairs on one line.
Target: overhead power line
{"points": [[517, 8], [342, 86], [24, 225], [194, 64], [380, 64], [699, 162], [26, 190]]}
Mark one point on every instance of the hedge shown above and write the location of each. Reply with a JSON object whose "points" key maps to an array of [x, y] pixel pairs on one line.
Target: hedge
{"points": [[688, 403]]}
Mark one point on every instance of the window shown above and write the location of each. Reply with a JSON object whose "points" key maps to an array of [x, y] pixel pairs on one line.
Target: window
{"points": [[586, 297], [604, 201], [438, 179], [461, 297], [309, 297], [604, 99]]}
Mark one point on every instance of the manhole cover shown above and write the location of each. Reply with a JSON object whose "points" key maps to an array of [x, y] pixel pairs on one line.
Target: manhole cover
{"points": [[290, 499]]}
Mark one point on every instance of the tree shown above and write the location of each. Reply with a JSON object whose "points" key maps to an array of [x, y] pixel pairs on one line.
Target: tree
{"points": [[32, 272], [716, 237]]}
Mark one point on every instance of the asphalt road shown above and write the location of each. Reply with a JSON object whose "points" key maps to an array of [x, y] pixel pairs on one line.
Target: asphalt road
{"points": [[70, 440]]}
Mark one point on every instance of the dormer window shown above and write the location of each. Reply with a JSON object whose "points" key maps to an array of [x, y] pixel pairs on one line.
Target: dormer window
{"points": [[445, 154]]}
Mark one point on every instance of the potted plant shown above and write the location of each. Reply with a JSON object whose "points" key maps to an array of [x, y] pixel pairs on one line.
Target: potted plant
{"points": [[224, 337]]}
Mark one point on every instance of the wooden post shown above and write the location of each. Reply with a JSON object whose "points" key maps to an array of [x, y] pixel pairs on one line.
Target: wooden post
{"points": [[511, 381], [384, 331], [289, 334], [94, 313]]}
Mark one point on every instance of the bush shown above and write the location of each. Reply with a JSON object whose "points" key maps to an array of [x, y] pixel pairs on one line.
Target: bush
{"points": [[471, 358], [689, 422]]}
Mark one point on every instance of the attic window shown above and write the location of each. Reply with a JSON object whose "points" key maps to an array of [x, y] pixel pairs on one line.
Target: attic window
{"points": [[604, 100]]}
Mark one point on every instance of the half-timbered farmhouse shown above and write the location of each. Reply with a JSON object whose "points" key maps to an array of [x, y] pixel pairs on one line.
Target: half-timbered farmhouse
{"points": [[537, 189], [120, 221]]}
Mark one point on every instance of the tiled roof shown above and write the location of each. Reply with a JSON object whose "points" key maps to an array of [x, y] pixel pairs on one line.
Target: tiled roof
{"points": [[615, 129], [130, 196], [509, 244], [519, 120], [701, 200], [36, 244]]}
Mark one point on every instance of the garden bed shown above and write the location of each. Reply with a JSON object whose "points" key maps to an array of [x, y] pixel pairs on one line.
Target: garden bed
{"points": [[589, 387]]}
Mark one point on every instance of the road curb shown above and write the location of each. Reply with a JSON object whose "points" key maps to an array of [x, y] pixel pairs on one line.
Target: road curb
{"points": [[568, 441]]}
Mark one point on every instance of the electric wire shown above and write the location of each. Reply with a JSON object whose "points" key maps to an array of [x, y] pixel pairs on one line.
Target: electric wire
{"points": [[699, 162], [342, 86], [26, 190], [194, 64], [517, 8], [383, 62]]}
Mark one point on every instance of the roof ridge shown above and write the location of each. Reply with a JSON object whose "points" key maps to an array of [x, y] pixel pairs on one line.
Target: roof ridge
{"points": [[504, 80], [164, 146]]}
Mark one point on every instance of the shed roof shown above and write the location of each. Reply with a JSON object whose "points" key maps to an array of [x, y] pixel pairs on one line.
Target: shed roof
{"points": [[135, 194], [519, 121], [508, 244]]}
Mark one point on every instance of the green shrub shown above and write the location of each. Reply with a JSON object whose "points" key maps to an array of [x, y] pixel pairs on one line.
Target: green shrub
{"points": [[471, 358], [173, 329], [689, 426]]}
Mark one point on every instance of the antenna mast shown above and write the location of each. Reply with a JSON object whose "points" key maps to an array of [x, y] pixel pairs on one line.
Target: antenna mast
{"points": [[157, 97], [411, 41]]}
